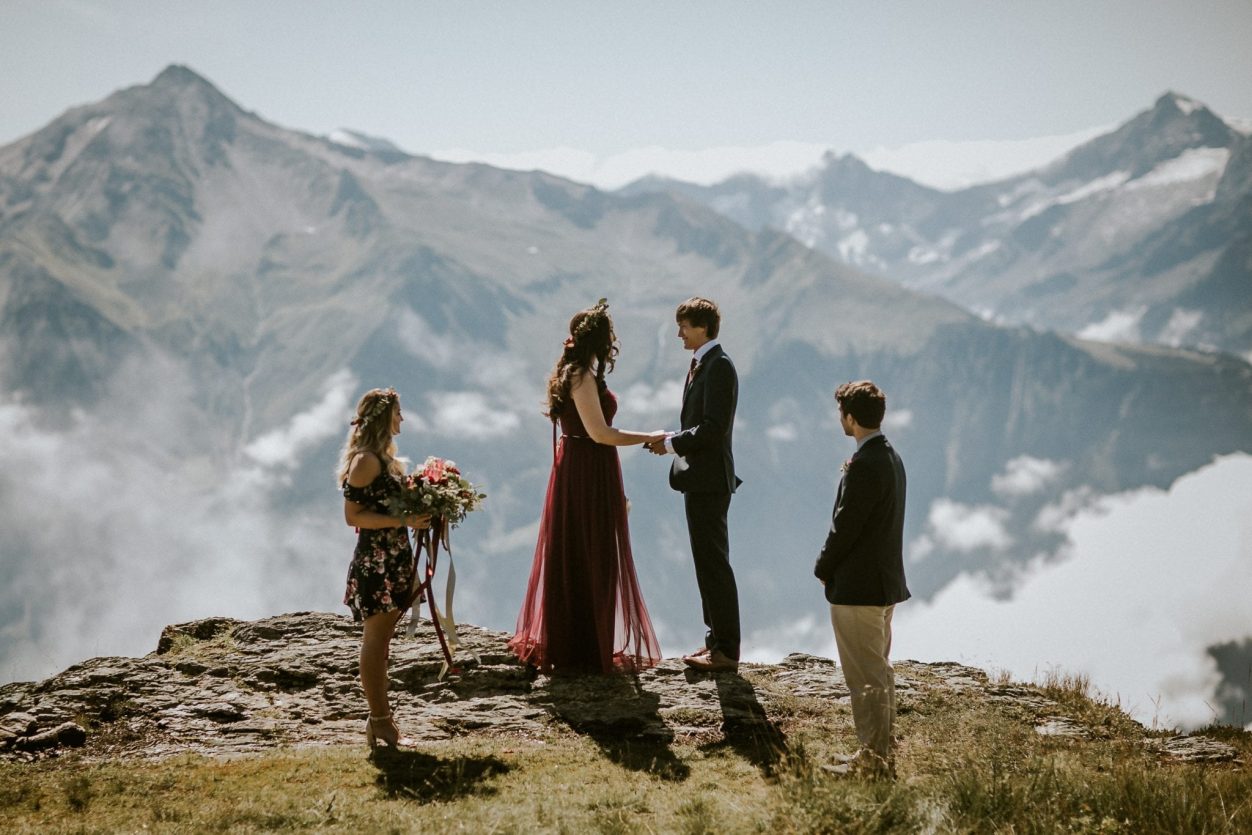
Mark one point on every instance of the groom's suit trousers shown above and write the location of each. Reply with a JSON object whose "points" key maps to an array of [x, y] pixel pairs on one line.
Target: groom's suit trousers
{"points": [[710, 549], [863, 637]]}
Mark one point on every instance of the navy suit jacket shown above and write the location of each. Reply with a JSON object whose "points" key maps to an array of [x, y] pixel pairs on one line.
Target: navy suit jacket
{"points": [[704, 461], [862, 562]]}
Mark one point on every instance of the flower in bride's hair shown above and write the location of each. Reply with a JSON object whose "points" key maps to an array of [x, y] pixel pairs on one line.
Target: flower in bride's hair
{"points": [[597, 312]]}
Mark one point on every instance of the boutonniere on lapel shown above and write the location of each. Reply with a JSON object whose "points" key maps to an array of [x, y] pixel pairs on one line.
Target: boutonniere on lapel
{"points": [[846, 464]]}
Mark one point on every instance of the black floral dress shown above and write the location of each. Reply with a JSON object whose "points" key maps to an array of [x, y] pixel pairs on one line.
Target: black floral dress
{"points": [[382, 573]]}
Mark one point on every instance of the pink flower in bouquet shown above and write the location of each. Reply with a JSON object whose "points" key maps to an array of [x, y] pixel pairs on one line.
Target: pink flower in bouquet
{"points": [[437, 469]]}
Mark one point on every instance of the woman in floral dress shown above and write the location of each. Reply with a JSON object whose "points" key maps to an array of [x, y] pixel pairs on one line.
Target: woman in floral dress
{"points": [[382, 576]]}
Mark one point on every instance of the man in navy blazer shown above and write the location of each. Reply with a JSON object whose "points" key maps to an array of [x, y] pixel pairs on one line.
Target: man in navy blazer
{"points": [[704, 472], [861, 567]]}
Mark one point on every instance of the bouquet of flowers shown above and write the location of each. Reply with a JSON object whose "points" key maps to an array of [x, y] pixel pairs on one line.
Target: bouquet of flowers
{"points": [[438, 488]]}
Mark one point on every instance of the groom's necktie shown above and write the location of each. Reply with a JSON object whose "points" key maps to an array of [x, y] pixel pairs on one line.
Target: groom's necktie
{"points": [[691, 372]]}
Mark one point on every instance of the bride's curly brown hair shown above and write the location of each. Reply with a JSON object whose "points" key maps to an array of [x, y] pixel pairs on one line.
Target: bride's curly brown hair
{"points": [[591, 346]]}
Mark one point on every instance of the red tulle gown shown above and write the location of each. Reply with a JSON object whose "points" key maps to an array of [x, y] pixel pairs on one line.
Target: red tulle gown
{"points": [[583, 610]]}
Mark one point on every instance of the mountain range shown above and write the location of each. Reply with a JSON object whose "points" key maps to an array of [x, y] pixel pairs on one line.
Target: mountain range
{"points": [[192, 298], [1141, 234]]}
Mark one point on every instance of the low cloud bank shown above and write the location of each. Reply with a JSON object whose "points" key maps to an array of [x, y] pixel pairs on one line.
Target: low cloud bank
{"points": [[1149, 580], [939, 163], [108, 539]]}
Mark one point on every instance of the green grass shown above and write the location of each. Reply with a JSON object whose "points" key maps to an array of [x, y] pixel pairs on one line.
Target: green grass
{"points": [[965, 765]]}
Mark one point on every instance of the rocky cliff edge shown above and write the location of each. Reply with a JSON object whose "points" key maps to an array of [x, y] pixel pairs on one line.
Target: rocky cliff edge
{"points": [[226, 687]]}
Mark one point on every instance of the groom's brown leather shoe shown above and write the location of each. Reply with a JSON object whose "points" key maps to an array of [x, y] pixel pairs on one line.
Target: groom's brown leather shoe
{"points": [[715, 662]]}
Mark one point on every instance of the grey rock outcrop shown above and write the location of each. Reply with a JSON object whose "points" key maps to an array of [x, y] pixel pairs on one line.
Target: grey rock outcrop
{"points": [[222, 686]]}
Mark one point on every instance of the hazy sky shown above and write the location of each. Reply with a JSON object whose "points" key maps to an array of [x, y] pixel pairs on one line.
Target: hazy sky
{"points": [[607, 77]]}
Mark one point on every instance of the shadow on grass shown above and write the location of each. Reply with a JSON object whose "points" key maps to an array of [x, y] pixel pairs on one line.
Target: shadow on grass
{"points": [[414, 775], [622, 719], [746, 729]]}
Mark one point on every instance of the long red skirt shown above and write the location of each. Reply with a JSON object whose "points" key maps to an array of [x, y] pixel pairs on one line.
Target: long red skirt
{"points": [[583, 610]]}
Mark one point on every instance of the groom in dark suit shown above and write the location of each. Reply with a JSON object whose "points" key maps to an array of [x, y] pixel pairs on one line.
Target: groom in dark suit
{"points": [[862, 568], [704, 472]]}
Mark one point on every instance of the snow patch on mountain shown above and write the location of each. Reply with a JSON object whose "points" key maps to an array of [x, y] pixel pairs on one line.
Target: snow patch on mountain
{"points": [[1108, 182], [1117, 326], [1186, 105], [805, 223], [361, 141], [924, 255], [1190, 165], [854, 248]]}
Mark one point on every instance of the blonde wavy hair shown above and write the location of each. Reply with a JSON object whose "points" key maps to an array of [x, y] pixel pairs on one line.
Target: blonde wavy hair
{"points": [[371, 432]]}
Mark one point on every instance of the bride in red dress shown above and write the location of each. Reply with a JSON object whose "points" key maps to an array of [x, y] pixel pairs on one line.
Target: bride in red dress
{"points": [[583, 610]]}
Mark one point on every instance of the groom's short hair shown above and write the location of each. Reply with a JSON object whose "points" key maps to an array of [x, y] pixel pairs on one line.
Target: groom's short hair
{"points": [[700, 313], [863, 401]]}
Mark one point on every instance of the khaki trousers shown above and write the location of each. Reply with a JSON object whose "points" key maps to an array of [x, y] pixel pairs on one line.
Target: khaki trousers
{"points": [[863, 636]]}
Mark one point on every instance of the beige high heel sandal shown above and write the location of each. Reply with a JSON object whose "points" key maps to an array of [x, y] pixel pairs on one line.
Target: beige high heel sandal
{"points": [[373, 737]]}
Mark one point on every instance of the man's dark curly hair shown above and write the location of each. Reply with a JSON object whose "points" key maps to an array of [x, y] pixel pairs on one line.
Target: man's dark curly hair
{"points": [[864, 401]]}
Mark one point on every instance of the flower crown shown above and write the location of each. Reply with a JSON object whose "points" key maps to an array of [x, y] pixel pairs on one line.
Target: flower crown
{"points": [[380, 406], [598, 312]]}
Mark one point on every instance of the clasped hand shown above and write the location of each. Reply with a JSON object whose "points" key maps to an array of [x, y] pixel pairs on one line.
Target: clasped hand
{"points": [[417, 521], [655, 443]]}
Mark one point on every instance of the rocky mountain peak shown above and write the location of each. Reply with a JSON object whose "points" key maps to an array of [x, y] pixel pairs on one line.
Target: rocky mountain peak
{"points": [[1169, 100], [1174, 124], [844, 163], [848, 182], [1174, 111], [180, 76], [180, 92]]}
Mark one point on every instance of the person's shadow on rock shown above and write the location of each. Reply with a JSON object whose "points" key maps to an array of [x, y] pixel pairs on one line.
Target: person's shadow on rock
{"points": [[415, 775], [746, 728], [621, 717]]}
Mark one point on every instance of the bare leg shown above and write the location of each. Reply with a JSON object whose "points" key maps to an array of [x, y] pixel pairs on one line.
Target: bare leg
{"points": [[375, 653]]}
